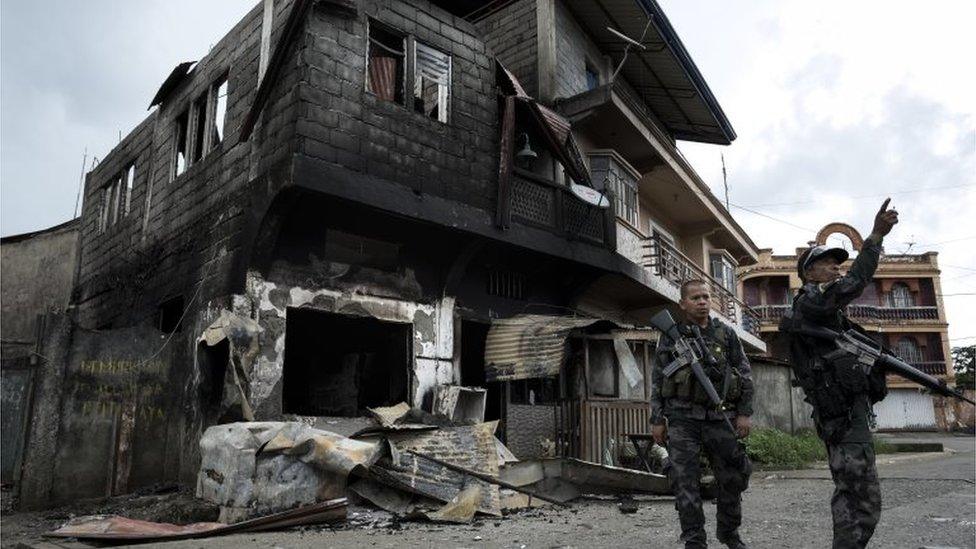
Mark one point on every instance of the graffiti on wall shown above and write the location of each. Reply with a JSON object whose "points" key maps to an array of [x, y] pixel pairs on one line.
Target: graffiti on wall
{"points": [[106, 388]]}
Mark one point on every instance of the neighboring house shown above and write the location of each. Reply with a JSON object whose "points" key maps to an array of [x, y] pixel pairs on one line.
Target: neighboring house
{"points": [[902, 306], [347, 204], [38, 271]]}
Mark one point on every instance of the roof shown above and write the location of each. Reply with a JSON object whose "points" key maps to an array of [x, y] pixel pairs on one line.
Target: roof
{"points": [[663, 74], [62, 227], [529, 346], [172, 81]]}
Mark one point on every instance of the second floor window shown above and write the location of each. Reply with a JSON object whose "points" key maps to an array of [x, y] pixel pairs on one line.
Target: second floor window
{"points": [[385, 66], [116, 198], [620, 182], [723, 271], [900, 296], [432, 82]]}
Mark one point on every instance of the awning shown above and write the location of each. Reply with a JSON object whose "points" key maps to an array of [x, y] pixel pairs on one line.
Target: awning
{"points": [[529, 346]]}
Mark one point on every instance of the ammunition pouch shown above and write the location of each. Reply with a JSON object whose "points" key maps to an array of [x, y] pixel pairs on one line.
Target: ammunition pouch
{"points": [[846, 372]]}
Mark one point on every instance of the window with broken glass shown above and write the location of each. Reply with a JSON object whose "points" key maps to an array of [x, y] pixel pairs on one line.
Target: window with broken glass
{"points": [[432, 82], [611, 175], [386, 63]]}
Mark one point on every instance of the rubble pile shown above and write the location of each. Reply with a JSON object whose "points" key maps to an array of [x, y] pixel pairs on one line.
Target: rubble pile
{"points": [[446, 467]]}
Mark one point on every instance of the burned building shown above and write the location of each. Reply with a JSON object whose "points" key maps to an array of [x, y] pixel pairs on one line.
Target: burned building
{"points": [[347, 204]]}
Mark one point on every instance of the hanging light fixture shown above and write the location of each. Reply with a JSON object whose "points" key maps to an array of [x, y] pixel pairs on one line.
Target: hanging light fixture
{"points": [[525, 158]]}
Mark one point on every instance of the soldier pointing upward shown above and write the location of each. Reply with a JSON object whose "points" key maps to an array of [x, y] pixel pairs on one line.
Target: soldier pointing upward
{"points": [[841, 393]]}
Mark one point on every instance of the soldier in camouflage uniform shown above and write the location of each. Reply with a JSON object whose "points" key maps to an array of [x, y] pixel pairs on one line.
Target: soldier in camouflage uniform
{"points": [[840, 393], [684, 419]]}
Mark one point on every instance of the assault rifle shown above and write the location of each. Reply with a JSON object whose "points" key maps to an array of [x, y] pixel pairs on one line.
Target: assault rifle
{"points": [[692, 352], [870, 354]]}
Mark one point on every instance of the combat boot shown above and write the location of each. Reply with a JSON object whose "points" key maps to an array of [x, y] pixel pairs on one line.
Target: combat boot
{"points": [[733, 541]]}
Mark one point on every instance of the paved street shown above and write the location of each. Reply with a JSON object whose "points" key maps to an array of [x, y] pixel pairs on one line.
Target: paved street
{"points": [[929, 500]]}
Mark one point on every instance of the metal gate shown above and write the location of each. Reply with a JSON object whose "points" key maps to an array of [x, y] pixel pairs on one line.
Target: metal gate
{"points": [[906, 410]]}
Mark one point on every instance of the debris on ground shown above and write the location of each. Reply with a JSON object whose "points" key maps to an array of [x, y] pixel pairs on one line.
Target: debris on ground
{"points": [[443, 467]]}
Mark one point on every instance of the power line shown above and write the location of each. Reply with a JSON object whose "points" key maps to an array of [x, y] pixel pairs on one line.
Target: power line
{"points": [[812, 231], [810, 201], [954, 295], [946, 242]]}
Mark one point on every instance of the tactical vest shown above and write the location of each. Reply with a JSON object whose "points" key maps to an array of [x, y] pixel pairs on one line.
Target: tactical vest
{"points": [[727, 380]]}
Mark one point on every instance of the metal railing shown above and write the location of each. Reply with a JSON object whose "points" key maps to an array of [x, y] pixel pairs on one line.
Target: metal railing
{"points": [[931, 367], [771, 314], [670, 264]]}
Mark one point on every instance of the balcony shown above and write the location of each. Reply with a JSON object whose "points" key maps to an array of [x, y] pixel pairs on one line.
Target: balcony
{"points": [[538, 202], [885, 314], [770, 314], [669, 263], [931, 367]]}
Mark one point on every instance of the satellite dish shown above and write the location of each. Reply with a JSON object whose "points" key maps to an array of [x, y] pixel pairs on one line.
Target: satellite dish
{"points": [[590, 195]]}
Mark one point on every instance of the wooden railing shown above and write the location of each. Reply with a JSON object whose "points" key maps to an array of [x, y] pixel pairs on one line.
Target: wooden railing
{"points": [[539, 202], [669, 263], [584, 428]]}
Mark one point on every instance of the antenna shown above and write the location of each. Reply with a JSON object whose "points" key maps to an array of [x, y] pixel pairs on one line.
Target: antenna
{"points": [[81, 180], [630, 42], [725, 181]]}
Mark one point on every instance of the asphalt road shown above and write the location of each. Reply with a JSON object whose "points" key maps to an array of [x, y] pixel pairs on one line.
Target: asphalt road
{"points": [[928, 501]]}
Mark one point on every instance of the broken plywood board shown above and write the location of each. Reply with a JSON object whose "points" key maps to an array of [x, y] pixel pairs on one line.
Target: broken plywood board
{"points": [[471, 447], [121, 529]]}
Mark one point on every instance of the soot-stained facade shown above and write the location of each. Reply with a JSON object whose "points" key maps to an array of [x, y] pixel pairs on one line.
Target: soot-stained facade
{"points": [[331, 210]]}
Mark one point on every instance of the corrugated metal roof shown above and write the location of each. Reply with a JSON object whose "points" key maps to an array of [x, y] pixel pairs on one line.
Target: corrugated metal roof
{"points": [[529, 346], [663, 74]]}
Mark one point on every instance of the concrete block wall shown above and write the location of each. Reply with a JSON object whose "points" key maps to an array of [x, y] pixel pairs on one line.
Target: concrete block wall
{"points": [[511, 35], [574, 49], [342, 124], [184, 228]]}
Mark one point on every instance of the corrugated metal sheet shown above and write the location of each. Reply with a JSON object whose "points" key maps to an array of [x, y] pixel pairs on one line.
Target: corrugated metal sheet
{"points": [[905, 409], [528, 346]]}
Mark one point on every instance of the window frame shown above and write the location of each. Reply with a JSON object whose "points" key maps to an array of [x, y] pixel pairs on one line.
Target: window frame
{"points": [[442, 116], [372, 23], [631, 216], [729, 264]]}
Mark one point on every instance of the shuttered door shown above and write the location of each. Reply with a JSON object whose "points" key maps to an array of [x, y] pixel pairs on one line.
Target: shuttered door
{"points": [[905, 410]]}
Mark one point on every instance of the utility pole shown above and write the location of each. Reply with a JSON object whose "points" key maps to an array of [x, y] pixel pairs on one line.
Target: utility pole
{"points": [[725, 182], [81, 181]]}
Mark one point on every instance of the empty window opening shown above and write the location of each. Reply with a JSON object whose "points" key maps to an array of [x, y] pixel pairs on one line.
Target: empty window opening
{"points": [[543, 390], [115, 198], [386, 63], [169, 315], [603, 373], [432, 82], [199, 127], [130, 178], [180, 146], [105, 204], [337, 365], [220, 112]]}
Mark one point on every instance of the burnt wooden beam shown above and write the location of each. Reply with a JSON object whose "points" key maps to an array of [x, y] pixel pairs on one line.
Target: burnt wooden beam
{"points": [[503, 211]]}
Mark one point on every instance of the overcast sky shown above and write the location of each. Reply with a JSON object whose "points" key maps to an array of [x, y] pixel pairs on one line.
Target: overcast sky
{"points": [[835, 105]]}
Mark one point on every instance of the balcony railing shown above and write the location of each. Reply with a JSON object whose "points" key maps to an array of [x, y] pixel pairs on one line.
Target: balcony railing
{"points": [[670, 264], [539, 202], [931, 367], [770, 314], [872, 312]]}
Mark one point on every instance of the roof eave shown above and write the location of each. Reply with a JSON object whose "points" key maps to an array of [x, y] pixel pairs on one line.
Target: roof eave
{"points": [[674, 43]]}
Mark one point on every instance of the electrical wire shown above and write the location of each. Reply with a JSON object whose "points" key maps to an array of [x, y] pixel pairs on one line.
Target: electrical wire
{"points": [[880, 195]]}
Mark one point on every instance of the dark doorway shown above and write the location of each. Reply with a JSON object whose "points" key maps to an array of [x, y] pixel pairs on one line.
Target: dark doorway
{"points": [[473, 336], [338, 365]]}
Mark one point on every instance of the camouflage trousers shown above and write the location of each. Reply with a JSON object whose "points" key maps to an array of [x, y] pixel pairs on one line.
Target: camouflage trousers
{"points": [[856, 503], [687, 439]]}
